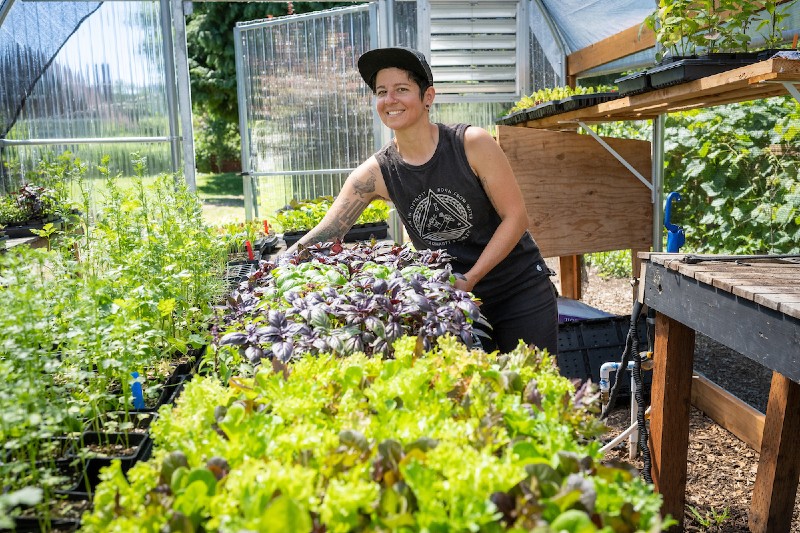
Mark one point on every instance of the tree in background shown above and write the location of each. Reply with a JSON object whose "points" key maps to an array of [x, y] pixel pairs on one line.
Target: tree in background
{"points": [[212, 69]]}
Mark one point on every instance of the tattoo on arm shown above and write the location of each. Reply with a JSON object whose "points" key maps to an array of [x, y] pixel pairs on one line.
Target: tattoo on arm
{"points": [[365, 186], [341, 224]]}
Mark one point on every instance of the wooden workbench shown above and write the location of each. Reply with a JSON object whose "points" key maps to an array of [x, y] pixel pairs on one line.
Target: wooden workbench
{"points": [[753, 307]]}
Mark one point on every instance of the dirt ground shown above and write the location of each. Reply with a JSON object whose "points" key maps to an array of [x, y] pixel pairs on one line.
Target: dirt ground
{"points": [[721, 469]]}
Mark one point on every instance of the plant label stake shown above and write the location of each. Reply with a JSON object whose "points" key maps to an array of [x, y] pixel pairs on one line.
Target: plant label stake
{"points": [[249, 247], [136, 391]]}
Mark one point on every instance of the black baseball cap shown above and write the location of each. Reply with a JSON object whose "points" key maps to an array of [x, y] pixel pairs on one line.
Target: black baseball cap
{"points": [[399, 57]]}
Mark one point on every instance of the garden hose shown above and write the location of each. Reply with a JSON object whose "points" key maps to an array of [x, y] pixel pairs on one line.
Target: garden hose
{"points": [[632, 348]]}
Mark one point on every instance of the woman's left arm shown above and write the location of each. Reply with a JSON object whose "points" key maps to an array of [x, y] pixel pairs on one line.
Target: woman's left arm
{"points": [[490, 164]]}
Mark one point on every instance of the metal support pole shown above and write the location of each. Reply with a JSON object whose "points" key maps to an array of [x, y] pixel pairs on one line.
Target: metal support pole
{"points": [[170, 84], [184, 92], [658, 181]]}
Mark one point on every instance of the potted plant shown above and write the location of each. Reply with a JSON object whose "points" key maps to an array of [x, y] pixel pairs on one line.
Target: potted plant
{"points": [[699, 39], [30, 207], [297, 218]]}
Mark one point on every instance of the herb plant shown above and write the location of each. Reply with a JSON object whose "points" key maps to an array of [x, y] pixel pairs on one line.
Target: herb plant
{"points": [[328, 298], [444, 440]]}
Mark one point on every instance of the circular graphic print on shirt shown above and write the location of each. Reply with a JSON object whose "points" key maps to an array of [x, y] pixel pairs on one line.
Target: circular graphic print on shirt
{"points": [[441, 217]]}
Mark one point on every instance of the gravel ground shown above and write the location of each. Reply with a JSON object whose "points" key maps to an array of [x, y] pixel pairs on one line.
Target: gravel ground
{"points": [[721, 469]]}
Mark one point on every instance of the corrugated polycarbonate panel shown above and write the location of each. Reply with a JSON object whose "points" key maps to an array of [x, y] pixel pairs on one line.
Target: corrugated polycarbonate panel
{"points": [[106, 82], [309, 114]]}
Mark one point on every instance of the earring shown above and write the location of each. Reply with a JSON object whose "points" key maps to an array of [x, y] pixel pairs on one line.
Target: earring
{"points": [[427, 106]]}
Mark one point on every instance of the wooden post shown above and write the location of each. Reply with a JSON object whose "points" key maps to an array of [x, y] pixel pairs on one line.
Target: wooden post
{"points": [[670, 395], [779, 464], [569, 270]]}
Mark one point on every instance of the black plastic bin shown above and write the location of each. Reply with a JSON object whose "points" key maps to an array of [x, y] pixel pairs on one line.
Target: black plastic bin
{"points": [[583, 347]]}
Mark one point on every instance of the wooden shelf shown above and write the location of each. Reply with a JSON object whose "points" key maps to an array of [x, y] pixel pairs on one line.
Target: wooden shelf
{"points": [[750, 82]]}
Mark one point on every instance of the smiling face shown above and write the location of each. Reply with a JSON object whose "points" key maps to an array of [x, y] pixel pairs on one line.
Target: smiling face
{"points": [[398, 100]]}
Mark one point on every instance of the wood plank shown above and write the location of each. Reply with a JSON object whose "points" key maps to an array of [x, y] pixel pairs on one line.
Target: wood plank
{"points": [[579, 198], [779, 465], [770, 338], [790, 309], [728, 411], [627, 42], [744, 83], [670, 395]]}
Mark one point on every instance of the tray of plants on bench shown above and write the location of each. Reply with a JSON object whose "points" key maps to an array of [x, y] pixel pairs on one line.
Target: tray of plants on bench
{"points": [[298, 217]]}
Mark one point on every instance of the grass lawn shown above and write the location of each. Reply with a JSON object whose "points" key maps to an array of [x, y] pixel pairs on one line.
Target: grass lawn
{"points": [[222, 196]]}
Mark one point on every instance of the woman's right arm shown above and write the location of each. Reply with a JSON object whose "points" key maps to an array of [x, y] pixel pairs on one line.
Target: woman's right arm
{"points": [[362, 186]]}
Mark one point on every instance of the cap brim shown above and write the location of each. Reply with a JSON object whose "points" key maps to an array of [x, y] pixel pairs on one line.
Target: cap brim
{"points": [[375, 60]]}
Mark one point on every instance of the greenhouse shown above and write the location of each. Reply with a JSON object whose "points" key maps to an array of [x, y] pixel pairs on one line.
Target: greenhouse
{"points": [[187, 345]]}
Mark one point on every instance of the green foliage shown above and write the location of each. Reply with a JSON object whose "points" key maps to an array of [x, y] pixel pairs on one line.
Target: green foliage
{"points": [[712, 518], [305, 214], [212, 68], [30, 203], [448, 440], [689, 27], [736, 168], [556, 93], [613, 264], [216, 141], [738, 176], [132, 289]]}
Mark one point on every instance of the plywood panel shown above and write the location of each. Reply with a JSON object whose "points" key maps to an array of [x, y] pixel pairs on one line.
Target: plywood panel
{"points": [[580, 199]]}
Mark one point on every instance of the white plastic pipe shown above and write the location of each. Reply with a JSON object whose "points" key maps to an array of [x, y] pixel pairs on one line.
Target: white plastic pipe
{"points": [[605, 385]]}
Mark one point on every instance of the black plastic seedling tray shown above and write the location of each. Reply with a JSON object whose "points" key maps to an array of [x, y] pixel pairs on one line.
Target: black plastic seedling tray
{"points": [[579, 101]]}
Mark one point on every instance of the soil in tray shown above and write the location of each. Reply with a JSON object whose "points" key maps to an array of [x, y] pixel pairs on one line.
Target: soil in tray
{"points": [[59, 514], [122, 422]]}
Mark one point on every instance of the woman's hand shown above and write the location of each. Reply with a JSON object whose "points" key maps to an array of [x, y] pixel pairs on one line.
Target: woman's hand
{"points": [[463, 283]]}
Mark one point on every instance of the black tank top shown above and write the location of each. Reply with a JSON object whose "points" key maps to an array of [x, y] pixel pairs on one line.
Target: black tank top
{"points": [[443, 206]]}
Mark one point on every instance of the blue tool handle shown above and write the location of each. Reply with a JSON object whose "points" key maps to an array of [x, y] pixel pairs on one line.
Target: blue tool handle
{"points": [[668, 211]]}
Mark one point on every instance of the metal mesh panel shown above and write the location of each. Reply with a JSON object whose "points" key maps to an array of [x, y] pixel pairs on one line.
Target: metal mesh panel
{"points": [[105, 83]]}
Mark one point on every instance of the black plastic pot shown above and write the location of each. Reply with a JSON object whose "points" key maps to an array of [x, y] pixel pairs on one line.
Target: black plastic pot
{"points": [[127, 448], [267, 245], [361, 232]]}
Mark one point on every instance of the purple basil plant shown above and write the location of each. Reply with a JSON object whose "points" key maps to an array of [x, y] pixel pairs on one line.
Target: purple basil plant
{"points": [[359, 298]]}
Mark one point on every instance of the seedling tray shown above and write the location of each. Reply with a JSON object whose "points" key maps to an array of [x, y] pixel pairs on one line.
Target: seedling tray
{"points": [[579, 101], [693, 69], [543, 110], [361, 232], [636, 83], [238, 271], [517, 117]]}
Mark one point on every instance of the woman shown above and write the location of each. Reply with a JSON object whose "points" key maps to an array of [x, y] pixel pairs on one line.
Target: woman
{"points": [[454, 190]]}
